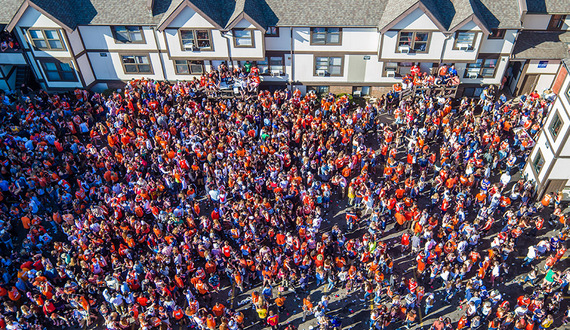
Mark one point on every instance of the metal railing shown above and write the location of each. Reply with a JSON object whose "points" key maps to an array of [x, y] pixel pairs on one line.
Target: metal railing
{"points": [[416, 91]]}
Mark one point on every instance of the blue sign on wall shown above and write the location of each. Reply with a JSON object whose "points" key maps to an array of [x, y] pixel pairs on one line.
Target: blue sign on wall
{"points": [[542, 64]]}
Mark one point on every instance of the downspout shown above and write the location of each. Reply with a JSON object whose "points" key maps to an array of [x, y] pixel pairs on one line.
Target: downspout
{"points": [[443, 49], [225, 36], [292, 75], [159, 54]]}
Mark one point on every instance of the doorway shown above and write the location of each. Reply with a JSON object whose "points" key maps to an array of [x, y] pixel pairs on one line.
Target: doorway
{"points": [[529, 83]]}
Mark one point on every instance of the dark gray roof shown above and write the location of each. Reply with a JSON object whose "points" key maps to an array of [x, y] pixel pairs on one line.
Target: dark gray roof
{"points": [[500, 14], [542, 45], [216, 10], [450, 13], [463, 9], [393, 10], [325, 13], [443, 10], [105, 12], [548, 6], [342, 13], [64, 11]]}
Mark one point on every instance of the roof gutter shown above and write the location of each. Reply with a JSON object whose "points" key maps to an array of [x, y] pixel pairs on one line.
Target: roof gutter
{"points": [[224, 34], [523, 9]]}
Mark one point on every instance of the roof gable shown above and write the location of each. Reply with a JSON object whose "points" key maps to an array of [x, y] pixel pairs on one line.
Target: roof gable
{"points": [[471, 18], [394, 14], [57, 11], [251, 10], [202, 7], [188, 18], [467, 11]]}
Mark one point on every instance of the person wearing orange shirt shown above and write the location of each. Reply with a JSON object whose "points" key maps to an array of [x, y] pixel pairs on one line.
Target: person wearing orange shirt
{"points": [[307, 307], [219, 309]]}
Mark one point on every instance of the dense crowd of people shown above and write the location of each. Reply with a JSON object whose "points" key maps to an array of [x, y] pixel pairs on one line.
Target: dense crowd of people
{"points": [[133, 210]]}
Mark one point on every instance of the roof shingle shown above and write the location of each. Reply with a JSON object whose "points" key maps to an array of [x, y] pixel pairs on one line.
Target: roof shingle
{"points": [[542, 45], [548, 6], [341, 13]]}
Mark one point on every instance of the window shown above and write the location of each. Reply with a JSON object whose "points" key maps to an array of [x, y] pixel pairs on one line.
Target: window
{"points": [[496, 34], [397, 69], [328, 66], [555, 125], [482, 68], [464, 40], [473, 91], [417, 42], [390, 69], [46, 39], [272, 31], [276, 64], [192, 39], [136, 64], [364, 90], [128, 34], [538, 162], [269, 65], [243, 38], [556, 22], [319, 90], [326, 36], [189, 67], [58, 71]]}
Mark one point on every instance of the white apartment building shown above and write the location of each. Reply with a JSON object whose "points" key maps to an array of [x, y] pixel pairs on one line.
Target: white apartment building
{"points": [[540, 47], [342, 46], [549, 160]]}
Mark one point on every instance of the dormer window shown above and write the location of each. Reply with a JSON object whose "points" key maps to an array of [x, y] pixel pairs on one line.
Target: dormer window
{"points": [[464, 40], [413, 42]]}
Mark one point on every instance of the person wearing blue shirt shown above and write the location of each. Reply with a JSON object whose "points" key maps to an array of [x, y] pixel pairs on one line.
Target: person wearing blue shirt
{"points": [[452, 71]]}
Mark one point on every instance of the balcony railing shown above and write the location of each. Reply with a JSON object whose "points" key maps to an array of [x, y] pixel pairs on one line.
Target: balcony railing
{"points": [[415, 91]]}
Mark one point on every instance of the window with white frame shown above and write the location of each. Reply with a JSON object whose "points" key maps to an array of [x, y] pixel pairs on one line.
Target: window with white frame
{"points": [[136, 64], [328, 66], [46, 39], [243, 38], [189, 66], [195, 39], [58, 70], [326, 36], [128, 34], [417, 42]]}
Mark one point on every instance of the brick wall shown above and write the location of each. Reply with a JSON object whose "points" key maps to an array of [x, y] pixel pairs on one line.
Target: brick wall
{"points": [[341, 89], [379, 91]]}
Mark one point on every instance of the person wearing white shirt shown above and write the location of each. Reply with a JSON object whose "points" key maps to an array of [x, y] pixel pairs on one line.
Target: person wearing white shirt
{"points": [[529, 256], [118, 303], [505, 179]]}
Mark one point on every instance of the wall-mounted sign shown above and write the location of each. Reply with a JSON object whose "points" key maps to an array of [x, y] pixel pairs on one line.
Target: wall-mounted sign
{"points": [[366, 57], [542, 64]]}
